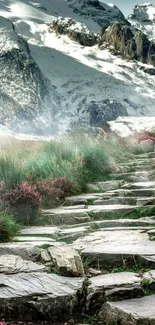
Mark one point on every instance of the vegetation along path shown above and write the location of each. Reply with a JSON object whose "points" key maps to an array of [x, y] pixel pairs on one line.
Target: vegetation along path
{"points": [[95, 264]]}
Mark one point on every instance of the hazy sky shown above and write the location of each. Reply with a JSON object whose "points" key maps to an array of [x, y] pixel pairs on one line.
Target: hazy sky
{"points": [[127, 5]]}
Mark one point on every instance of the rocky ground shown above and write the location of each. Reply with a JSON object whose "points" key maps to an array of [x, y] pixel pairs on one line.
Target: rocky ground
{"points": [[97, 258]]}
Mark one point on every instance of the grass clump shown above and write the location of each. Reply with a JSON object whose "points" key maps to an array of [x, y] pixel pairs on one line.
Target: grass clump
{"points": [[8, 227], [40, 175]]}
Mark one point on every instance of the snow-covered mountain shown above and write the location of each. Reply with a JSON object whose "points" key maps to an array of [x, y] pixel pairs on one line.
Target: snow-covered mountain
{"points": [[59, 71], [143, 18]]}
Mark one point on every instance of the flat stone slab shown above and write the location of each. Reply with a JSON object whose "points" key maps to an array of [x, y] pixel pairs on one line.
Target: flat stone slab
{"points": [[82, 198], [11, 264], [148, 184], [141, 192], [33, 239], [39, 230], [111, 249], [61, 216], [104, 186], [97, 210], [33, 296], [25, 250], [133, 311], [117, 286]]}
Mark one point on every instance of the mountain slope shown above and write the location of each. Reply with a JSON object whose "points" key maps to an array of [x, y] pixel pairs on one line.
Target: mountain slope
{"points": [[88, 84], [143, 18], [24, 91]]}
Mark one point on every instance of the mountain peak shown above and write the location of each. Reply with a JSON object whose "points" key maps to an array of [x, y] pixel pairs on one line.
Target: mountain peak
{"points": [[144, 12]]}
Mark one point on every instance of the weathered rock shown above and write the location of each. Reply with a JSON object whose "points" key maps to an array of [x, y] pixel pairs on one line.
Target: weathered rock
{"points": [[11, 264], [40, 296], [133, 311], [66, 261], [117, 286], [132, 46]]}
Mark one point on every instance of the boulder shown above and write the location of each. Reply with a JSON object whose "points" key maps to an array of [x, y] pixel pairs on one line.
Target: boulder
{"points": [[66, 261], [105, 110]]}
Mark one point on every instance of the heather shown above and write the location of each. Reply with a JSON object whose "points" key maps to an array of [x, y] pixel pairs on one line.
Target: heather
{"points": [[36, 175]]}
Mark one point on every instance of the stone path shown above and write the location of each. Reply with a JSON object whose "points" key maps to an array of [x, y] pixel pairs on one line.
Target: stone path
{"points": [[98, 255]]}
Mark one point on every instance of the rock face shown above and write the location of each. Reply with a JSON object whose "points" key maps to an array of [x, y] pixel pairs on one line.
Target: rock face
{"points": [[105, 110], [75, 31], [132, 46], [102, 13], [24, 91]]}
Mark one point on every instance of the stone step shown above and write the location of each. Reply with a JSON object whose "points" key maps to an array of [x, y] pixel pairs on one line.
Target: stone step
{"points": [[139, 162], [151, 155], [137, 185], [138, 168], [68, 215], [83, 199], [116, 200], [139, 192], [69, 234], [117, 286], [112, 249], [132, 311], [38, 296], [104, 186], [80, 201], [132, 176]]}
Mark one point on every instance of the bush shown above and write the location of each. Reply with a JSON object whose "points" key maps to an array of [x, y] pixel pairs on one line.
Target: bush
{"points": [[8, 227], [52, 192], [24, 201]]}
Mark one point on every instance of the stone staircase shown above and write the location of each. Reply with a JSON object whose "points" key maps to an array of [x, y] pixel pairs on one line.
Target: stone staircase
{"points": [[103, 240]]}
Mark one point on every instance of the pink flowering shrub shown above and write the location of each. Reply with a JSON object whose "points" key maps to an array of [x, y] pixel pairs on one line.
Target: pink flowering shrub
{"points": [[52, 192], [24, 201], [63, 184], [2, 322], [23, 193]]}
